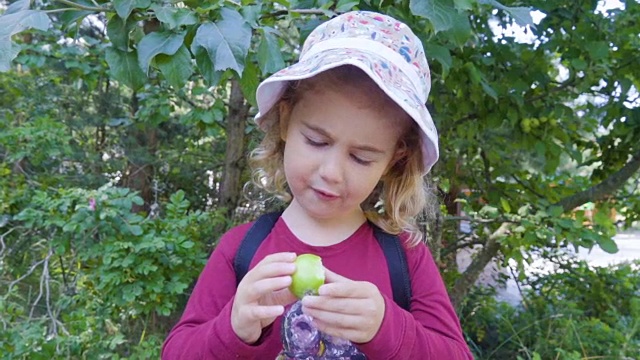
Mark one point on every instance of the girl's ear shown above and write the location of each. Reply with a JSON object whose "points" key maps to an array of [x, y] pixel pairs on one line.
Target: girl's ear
{"points": [[284, 114]]}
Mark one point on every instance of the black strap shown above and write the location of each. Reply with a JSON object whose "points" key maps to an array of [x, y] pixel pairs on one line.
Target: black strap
{"points": [[398, 270], [391, 247], [252, 240]]}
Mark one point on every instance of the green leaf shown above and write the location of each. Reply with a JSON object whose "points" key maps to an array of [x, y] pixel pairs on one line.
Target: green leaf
{"points": [[17, 6], [461, 31], [345, 5], [505, 204], [489, 211], [474, 74], [597, 49], [176, 68], [135, 230], [521, 15], [440, 12], [441, 54], [251, 15], [226, 42], [174, 17], [124, 67], [73, 17], [13, 23], [249, 82], [158, 43], [124, 7], [269, 54], [608, 245], [464, 4], [118, 31], [578, 64], [488, 89], [205, 65], [555, 211], [8, 52], [177, 197], [137, 200]]}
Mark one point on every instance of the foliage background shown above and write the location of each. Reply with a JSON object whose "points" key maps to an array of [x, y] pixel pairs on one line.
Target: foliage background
{"points": [[124, 126]]}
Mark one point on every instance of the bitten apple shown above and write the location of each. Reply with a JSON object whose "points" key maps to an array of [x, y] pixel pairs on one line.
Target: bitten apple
{"points": [[309, 275]]}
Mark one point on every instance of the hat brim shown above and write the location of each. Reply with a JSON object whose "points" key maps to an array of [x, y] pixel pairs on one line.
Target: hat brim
{"points": [[389, 78]]}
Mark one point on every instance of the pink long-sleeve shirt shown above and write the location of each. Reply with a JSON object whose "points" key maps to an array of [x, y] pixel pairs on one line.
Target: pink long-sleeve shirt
{"points": [[430, 331]]}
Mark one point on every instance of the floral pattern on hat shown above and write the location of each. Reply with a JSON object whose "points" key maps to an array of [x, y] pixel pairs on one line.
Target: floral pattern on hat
{"points": [[381, 28]]}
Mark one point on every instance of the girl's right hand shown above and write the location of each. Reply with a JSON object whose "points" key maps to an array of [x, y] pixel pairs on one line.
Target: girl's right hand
{"points": [[262, 295]]}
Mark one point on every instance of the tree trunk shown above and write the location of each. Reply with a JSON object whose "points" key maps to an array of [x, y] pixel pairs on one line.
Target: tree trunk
{"points": [[234, 161], [492, 246], [139, 173]]}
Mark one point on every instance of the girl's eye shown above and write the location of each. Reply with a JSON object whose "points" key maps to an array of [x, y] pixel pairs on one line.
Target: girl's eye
{"points": [[361, 161], [314, 142]]}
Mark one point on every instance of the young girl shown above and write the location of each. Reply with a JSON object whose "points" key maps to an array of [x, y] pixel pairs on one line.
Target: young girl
{"points": [[345, 127]]}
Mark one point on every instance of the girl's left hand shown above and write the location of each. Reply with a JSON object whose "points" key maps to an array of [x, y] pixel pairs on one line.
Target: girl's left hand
{"points": [[347, 309]]}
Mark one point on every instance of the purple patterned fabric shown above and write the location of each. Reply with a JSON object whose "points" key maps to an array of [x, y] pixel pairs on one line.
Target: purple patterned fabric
{"points": [[303, 341]]}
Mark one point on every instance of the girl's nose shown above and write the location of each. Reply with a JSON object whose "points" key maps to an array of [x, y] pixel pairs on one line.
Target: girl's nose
{"points": [[331, 167]]}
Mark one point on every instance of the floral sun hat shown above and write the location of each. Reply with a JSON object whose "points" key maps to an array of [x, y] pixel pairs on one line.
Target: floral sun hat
{"points": [[384, 48]]}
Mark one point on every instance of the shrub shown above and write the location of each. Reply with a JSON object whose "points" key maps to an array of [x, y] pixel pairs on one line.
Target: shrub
{"points": [[577, 313]]}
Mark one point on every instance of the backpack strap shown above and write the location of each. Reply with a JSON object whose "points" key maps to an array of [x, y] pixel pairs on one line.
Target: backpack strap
{"points": [[391, 247], [397, 262], [251, 241]]}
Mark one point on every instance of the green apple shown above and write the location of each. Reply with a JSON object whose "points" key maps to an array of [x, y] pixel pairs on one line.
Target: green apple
{"points": [[309, 275]]}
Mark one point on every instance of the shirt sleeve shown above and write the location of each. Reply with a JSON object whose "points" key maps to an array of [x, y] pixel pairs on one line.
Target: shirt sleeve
{"points": [[204, 330], [431, 330]]}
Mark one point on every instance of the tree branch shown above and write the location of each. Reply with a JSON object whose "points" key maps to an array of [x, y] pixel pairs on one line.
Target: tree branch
{"points": [[483, 257], [460, 245], [492, 247], [83, 7], [603, 189], [526, 186]]}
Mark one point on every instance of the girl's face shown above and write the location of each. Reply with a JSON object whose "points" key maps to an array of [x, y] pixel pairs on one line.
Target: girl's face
{"points": [[337, 148]]}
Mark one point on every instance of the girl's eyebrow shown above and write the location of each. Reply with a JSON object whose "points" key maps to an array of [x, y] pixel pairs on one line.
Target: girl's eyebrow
{"points": [[316, 129], [323, 132]]}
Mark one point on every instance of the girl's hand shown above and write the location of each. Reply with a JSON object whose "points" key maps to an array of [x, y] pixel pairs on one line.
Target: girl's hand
{"points": [[261, 296], [348, 309]]}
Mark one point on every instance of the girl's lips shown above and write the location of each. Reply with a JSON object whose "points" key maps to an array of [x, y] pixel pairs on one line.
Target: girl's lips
{"points": [[325, 195]]}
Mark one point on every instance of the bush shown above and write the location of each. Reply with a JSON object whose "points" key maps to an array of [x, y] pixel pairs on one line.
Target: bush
{"points": [[577, 313], [95, 280]]}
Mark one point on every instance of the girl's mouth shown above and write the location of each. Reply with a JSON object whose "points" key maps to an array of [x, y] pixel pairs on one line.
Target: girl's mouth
{"points": [[325, 195]]}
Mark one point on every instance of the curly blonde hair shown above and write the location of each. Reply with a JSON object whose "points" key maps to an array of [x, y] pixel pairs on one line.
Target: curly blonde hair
{"points": [[402, 193]]}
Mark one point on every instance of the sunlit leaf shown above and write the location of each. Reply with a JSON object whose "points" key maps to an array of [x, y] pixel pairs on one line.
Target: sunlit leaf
{"points": [[441, 13], [124, 67], [158, 43], [608, 245], [174, 17], [176, 68], [124, 7], [118, 31], [226, 42], [249, 82], [269, 54]]}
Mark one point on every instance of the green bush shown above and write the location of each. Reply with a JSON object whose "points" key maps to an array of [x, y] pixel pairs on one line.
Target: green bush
{"points": [[578, 313], [94, 279]]}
